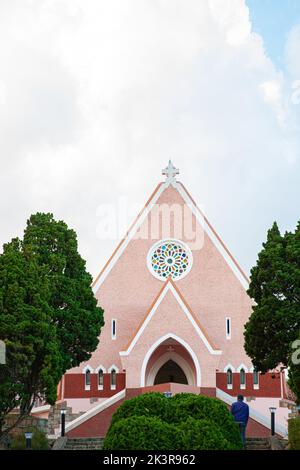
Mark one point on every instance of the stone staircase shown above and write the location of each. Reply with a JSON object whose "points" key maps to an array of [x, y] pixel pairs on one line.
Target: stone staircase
{"points": [[258, 443], [96, 443], [84, 443], [54, 418]]}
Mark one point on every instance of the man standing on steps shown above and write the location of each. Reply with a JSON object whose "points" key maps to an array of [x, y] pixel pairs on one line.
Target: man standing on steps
{"points": [[240, 412]]}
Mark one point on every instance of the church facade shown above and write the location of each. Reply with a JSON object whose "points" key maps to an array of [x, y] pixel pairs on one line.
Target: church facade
{"points": [[175, 305]]}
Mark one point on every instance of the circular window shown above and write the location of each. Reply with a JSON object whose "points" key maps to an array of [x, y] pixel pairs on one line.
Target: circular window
{"points": [[170, 258]]}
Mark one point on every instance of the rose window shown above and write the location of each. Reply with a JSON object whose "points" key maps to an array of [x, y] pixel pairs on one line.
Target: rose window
{"points": [[170, 258]]}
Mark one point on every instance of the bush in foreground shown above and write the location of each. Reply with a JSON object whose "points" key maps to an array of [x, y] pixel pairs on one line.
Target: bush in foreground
{"points": [[202, 435], [183, 422], [39, 440], [213, 410], [148, 404], [141, 433], [294, 433]]}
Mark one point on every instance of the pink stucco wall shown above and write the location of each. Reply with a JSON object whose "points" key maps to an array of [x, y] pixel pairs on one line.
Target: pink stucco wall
{"points": [[211, 290]]}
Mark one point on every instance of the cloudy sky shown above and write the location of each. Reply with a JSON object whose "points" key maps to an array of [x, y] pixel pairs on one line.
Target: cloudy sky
{"points": [[96, 96]]}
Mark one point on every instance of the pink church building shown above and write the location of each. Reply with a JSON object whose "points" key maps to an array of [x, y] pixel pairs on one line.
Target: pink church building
{"points": [[175, 305]]}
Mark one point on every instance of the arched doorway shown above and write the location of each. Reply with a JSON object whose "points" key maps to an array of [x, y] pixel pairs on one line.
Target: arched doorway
{"points": [[170, 372], [170, 359]]}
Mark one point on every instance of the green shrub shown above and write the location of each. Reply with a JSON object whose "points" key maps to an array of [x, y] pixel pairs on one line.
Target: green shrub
{"points": [[39, 440], [148, 404], [185, 421], [141, 433], [294, 433], [202, 435], [206, 408]]}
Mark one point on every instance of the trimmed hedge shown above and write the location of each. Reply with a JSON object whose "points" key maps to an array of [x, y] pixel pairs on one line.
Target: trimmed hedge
{"points": [[151, 404], [294, 433], [141, 433], [184, 422], [206, 408], [201, 435]]}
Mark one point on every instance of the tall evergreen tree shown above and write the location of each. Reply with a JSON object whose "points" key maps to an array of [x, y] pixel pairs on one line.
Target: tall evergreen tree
{"points": [[275, 289], [49, 317]]}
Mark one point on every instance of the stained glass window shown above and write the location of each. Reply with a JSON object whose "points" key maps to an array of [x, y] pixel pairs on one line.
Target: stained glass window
{"points": [[170, 258], [100, 378], [229, 377], [113, 378], [88, 378], [242, 377]]}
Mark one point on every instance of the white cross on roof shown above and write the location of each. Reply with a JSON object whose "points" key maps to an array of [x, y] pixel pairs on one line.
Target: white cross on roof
{"points": [[170, 172]]}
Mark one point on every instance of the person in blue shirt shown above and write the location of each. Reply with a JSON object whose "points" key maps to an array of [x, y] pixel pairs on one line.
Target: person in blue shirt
{"points": [[240, 412]]}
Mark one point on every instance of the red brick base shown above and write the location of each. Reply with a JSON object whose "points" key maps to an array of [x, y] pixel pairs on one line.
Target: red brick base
{"points": [[98, 425]]}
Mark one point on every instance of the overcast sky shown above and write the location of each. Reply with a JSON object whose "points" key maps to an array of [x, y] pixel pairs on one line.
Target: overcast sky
{"points": [[96, 96]]}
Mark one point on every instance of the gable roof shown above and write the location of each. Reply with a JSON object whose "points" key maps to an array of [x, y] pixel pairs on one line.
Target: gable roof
{"points": [[128, 236], [170, 286], [200, 217]]}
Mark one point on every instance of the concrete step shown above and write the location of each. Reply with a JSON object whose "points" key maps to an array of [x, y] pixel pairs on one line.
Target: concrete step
{"points": [[81, 443], [258, 444]]}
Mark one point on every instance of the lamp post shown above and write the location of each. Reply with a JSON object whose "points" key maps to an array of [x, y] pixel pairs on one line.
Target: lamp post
{"points": [[272, 411], [28, 437], [63, 421]]}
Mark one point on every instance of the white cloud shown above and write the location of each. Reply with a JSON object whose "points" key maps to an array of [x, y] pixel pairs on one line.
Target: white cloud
{"points": [[98, 95], [293, 51], [233, 19]]}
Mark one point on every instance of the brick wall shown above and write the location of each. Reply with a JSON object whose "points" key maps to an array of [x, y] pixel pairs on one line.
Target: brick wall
{"points": [[269, 385], [98, 425], [75, 386]]}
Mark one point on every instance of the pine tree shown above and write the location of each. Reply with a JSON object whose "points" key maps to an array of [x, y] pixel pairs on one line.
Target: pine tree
{"points": [[275, 289], [49, 319]]}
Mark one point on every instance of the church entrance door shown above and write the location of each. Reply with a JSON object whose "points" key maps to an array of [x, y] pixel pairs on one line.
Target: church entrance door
{"points": [[170, 372]]}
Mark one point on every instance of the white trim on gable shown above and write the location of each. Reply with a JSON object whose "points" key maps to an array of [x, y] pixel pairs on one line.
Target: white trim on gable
{"points": [[88, 367], [200, 218], [183, 343], [229, 366], [169, 287], [220, 246], [129, 236]]}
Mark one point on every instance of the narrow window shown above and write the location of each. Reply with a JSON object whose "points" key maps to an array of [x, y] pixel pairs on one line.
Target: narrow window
{"points": [[113, 329], [255, 379], [228, 328], [100, 379], [113, 379], [87, 379], [229, 378], [242, 378]]}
